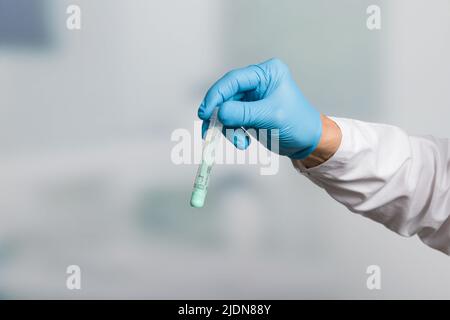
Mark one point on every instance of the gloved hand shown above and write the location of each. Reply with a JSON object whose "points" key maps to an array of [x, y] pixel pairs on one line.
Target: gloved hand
{"points": [[264, 96]]}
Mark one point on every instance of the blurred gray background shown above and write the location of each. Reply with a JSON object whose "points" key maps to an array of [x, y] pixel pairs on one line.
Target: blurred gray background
{"points": [[86, 176]]}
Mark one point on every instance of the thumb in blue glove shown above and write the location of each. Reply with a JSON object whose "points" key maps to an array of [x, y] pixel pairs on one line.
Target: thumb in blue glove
{"points": [[264, 96]]}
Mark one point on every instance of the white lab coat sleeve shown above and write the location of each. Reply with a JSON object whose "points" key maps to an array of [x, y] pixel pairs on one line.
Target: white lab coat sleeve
{"points": [[398, 180]]}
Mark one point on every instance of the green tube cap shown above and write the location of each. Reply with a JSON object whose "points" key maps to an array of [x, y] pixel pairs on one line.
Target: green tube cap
{"points": [[198, 198]]}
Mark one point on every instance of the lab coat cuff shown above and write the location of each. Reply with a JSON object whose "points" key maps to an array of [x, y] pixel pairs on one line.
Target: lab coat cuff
{"points": [[337, 162]]}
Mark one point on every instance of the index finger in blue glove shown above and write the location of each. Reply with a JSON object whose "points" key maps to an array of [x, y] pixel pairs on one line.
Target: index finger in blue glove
{"points": [[232, 83]]}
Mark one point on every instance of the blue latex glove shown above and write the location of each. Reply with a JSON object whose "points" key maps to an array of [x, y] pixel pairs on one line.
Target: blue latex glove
{"points": [[264, 96]]}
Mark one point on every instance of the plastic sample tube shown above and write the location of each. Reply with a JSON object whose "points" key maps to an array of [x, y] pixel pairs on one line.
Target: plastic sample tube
{"points": [[208, 156]]}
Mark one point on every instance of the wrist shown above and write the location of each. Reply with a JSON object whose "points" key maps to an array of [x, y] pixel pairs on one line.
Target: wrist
{"points": [[329, 143]]}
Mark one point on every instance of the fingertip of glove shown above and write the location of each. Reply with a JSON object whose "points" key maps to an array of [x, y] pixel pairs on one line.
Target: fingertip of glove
{"points": [[241, 142]]}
